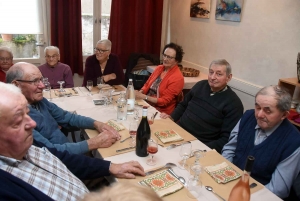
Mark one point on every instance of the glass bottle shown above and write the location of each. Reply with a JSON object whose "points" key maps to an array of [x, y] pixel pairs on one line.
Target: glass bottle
{"points": [[122, 107], [130, 97], [143, 135], [241, 191]]}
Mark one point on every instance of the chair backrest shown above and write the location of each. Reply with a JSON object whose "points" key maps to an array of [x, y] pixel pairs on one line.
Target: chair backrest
{"points": [[179, 98]]}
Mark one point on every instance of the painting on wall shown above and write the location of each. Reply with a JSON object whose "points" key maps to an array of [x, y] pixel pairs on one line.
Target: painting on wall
{"points": [[200, 8], [230, 10]]}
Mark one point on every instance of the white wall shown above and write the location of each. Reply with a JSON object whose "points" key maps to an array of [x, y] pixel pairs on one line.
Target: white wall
{"points": [[262, 48]]}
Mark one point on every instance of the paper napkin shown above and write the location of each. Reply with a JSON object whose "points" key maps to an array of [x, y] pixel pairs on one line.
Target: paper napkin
{"points": [[168, 136], [117, 126], [222, 173]]}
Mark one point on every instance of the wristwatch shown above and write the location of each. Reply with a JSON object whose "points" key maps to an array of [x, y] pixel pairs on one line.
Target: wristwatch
{"points": [[146, 98]]}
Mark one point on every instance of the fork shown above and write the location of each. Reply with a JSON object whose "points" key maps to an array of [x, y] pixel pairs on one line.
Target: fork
{"points": [[176, 145]]}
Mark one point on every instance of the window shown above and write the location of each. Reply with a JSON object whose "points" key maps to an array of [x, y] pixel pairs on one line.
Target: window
{"points": [[95, 15]]}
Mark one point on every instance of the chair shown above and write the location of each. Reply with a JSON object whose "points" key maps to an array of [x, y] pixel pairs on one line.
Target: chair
{"points": [[138, 62]]}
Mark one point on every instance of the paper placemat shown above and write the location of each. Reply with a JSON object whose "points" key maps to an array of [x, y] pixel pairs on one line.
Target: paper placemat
{"points": [[168, 124], [212, 158], [163, 183], [111, 151], [168, 136], [222, 173]]}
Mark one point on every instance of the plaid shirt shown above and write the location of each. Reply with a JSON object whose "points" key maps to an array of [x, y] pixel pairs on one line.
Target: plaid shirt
{"points": [[45, 172]]}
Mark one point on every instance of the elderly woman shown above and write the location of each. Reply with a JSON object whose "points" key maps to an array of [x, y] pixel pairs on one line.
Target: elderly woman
{"points": [[103, 64], [166, 82], [6, 61]]}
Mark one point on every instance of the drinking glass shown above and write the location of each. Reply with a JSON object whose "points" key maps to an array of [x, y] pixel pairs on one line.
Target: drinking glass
{"points": [[198, 154], [100, 82], [152, 149], [150, 118], [61, 91], [185, 152], [194, 187], [109, 96], [136, 114], [132, 131], [104, 95], [89, 86], [48, 89]]}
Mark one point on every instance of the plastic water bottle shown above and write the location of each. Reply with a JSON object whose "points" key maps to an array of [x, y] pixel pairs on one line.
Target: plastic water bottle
{"points": [[130, 97], [122, 107]]}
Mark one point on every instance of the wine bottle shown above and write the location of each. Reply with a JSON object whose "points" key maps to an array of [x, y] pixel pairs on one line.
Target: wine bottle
{"points": [[241, 191], [130, 97], [143, 135]]}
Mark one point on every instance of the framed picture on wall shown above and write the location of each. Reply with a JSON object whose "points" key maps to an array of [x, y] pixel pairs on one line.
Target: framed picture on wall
{"points": [[200, 8], [230, 10]]}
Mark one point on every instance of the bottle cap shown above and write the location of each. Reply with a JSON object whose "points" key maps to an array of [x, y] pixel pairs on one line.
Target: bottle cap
{"points": [[145, 107], [249, 163], [130, 79]]}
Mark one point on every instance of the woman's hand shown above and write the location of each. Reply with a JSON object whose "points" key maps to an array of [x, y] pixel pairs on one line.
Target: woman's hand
{"points": [[139, 95]]}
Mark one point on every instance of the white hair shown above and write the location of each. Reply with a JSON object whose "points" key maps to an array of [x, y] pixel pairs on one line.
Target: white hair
{"points": [[6, 49], [8, 89], [51, 48], [106, 42]]}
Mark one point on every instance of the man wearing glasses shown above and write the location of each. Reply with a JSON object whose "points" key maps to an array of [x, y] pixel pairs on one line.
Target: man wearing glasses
{"points": [[49, 116], [103, 64], [6, 61], [56, 71]]}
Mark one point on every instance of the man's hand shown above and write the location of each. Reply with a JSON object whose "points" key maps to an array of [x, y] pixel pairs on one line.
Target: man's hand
{"points": [[164, 115], [126, 170], [103, 140], [101, 127]]}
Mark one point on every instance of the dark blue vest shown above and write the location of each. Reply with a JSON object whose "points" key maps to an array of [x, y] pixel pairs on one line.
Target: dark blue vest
{"points": [[268, 154]]}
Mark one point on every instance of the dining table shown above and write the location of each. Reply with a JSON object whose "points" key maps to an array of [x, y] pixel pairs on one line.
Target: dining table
{"points": [[81, 101]]}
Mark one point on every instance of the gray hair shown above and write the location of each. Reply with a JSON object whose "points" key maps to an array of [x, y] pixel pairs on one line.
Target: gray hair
{"points": [[222, 62], [16, 72], [6, 49], [282, 97], [51, 48], [8, 89], [106, 42]]}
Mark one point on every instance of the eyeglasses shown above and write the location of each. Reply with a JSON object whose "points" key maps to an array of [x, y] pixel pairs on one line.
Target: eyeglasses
{"points": [[36, 81], [49, 56], [5, 58], [100, 51], [167, 57]]}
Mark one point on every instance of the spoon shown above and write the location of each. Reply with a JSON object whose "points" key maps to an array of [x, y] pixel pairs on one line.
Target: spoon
{"points": [[209, 188], [168, 165], [181, 179]]}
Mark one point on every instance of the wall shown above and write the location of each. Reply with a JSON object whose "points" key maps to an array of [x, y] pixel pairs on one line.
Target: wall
{"points": [[262, 48]]}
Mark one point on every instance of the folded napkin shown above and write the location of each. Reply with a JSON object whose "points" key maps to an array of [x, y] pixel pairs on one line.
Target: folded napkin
{"points": [[163, 183], [222, 173], [168, 136], [115, 125]]}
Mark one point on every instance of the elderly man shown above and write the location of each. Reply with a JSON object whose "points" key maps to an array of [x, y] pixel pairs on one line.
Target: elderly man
{"points": [[211, 109], [266, 134], [55, 70], [49, 116], [6, 61], [55, 176]]}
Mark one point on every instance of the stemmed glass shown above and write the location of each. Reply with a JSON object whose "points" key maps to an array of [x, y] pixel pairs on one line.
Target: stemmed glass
{"points": [[194, 187], [185, 152], [61, 91], [89, 86], [136, 114], [152, 149], [132, 131], [198, 154]]}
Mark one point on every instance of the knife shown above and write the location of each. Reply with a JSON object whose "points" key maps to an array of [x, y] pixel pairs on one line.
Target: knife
{"points": [[120, 150]]}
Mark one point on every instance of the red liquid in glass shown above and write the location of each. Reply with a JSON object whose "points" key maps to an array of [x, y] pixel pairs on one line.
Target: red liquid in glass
{"points": [[150, 122], [152, 150], [132, 133]]}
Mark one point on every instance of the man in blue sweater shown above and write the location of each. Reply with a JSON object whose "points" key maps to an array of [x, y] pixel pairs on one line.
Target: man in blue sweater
{"points": [[49, 117], [33, 172], [267, 134]]}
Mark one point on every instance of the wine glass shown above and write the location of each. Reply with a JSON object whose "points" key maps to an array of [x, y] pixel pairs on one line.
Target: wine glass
{"points": [[152, 148], [185, 152], [89, 86], [61, 91], [132, 131], [194, 187], [136, 114], [198, 154]]}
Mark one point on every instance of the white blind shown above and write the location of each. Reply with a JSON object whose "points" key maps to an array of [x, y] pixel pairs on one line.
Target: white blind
{"points": [[21, 17]]}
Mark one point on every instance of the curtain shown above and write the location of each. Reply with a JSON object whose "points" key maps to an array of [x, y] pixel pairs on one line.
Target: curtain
{"points": [[66, 32], [135, 26]]}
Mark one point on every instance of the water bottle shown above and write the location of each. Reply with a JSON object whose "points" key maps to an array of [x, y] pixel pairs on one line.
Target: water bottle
{"points": [[122, 107], [143, 135], [130, 97]]}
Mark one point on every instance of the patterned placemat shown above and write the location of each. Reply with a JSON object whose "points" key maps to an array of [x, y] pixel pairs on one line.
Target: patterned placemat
{"points": [[222, 173], [168, 136]]}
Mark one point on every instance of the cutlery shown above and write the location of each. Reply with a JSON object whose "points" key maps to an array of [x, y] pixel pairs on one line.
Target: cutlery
{"points": [[252, 185], [125, 139], [124, 149], [75, 91], [155, 115], [168, 165], [209, 188], [181, 179], [176, 145]]}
